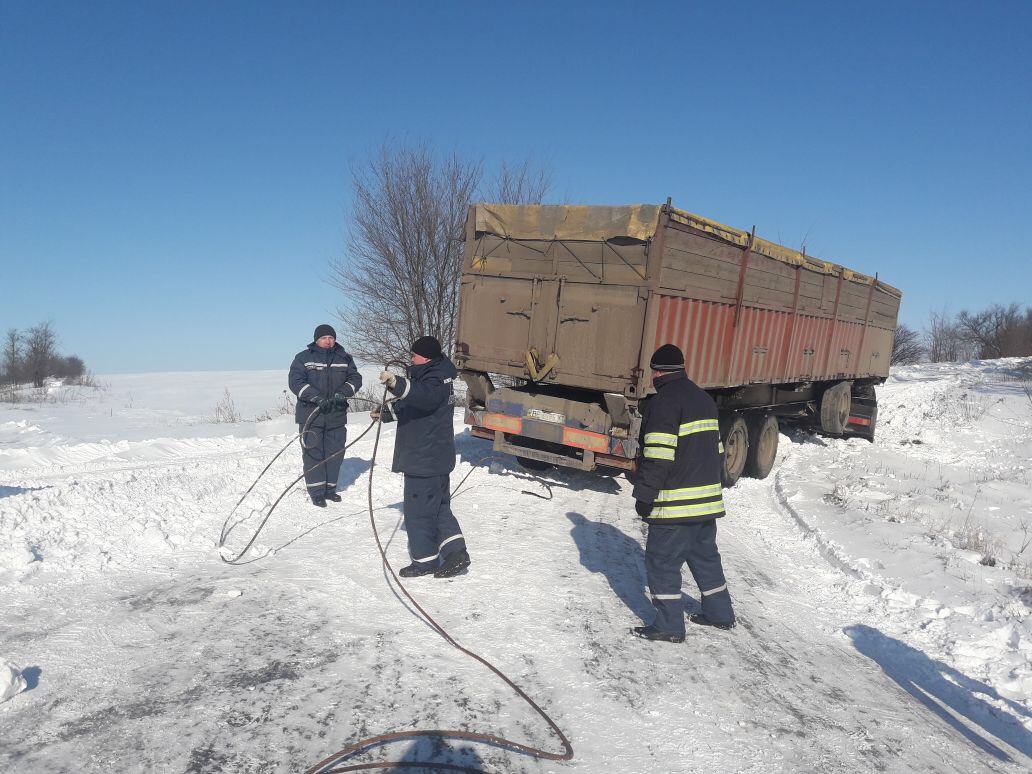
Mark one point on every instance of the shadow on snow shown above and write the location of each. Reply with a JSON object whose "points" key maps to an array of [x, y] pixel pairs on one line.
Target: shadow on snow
{"points": [[621, 559], [12, 491], [946, 692]]}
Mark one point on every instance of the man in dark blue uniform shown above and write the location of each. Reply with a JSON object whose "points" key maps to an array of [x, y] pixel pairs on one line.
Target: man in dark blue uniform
{"points": [[323, 376], [424, 450], [677, 492]]}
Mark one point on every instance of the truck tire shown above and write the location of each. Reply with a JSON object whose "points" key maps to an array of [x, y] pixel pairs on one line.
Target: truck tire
{"points": [[735, 436], [835, 408], [763, 445]]}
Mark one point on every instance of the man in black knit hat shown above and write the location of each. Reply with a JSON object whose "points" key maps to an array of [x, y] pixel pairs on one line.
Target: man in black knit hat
{"points": [[323, 376], [424, 450], [677, 491]]}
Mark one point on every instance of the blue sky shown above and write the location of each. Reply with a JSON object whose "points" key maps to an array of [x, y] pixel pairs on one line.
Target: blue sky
{"points": [[175, 176]]}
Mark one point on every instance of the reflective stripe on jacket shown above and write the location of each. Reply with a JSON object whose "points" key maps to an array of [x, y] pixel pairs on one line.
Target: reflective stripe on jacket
{"points": [[679, 464], [319, 373]]}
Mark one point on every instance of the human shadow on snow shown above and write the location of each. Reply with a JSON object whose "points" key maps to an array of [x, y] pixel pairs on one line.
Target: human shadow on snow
{"points": [[620, 558], [436, 753], [428, 753], [351, 469], [31, 675], [935, 684]]}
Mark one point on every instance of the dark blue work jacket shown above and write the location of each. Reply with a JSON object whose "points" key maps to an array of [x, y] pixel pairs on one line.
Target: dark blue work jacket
{"points": [[319, 373], [425, 444], [680, 460]]}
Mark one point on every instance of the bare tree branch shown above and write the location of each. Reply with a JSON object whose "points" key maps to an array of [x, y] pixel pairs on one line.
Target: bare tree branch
{"points": [[907, 348], [40, 351], [943, 339], [12, 357], [400, 277], [523, 183]]}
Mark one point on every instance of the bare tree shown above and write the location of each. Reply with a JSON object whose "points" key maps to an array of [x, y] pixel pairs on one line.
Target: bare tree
{"points": [[401, 275], [71, 367], [12, 356], [943, 338], [907, 348], [998, 331], [1017, 341], [523, 183], [40, 350]]}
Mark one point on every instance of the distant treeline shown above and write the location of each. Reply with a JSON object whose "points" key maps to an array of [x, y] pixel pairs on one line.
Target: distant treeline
{"points": [[32, 356], [999, 331]]}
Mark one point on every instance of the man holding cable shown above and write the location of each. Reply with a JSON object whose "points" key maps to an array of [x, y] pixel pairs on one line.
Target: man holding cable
{"points": [[323, 376], [424, 450]]}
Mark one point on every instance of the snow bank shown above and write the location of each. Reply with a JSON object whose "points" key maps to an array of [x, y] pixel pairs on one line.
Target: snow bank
{"points": [[11, 681]]}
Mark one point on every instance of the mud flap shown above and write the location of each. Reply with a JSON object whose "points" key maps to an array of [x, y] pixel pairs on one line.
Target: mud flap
{"points": [[863, 416]]}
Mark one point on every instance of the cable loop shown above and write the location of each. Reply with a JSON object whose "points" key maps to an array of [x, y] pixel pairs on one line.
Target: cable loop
{"points": [[341, 755]]}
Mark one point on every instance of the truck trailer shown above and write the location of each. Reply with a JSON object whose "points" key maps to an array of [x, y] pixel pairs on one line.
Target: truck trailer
{"points": [[561, 308]]}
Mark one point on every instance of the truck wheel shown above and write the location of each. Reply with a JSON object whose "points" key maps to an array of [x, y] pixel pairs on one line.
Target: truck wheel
{"points": [[763, 445], [835, 408], [735, 436]]}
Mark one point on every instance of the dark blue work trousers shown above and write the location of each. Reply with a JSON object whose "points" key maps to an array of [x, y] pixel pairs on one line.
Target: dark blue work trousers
{"points": [[433, 531], [669, 546], [318, 446]]}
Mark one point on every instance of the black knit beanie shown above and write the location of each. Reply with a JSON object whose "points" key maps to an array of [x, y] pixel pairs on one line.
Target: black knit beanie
{"points": [[426, 346], [324, 330], [667, 358]]}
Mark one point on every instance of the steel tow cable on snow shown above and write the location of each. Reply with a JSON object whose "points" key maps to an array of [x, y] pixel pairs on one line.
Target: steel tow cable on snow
{"points": [[371, 741], [362, 744], [299, 437]]}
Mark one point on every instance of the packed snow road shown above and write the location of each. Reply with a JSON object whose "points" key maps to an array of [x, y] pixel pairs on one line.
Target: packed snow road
{"points": [[144, 652]]}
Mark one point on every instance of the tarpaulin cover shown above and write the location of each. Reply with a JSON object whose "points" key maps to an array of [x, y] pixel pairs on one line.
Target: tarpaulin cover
{"points": [[574, 222], [637, 221]]}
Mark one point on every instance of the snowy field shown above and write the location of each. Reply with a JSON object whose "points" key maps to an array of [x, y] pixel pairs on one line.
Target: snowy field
{"points": [[883, 593]]}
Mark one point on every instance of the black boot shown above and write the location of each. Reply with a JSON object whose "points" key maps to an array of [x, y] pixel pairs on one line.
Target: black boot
{"points": [[453, 565], [333, 497], [657, 635], [416, 569], [700, 620], [319, 501]]}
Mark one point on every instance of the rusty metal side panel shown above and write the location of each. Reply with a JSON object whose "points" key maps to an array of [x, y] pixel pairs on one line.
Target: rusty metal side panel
{"points": [[700, 328], [844, 354], [758, 346], [767, 346]]}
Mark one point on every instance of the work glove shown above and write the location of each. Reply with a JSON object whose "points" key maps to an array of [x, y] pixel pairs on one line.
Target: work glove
{"points": [[643, 509], [382, 414], [388, 379], [325, 405], [340, 403]]}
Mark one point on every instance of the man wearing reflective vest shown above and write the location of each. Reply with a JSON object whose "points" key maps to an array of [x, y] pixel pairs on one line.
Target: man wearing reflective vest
{"points": [[677, 492]]}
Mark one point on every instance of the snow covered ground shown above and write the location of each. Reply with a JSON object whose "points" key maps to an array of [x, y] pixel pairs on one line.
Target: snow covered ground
{"points": [[883, 591]]}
